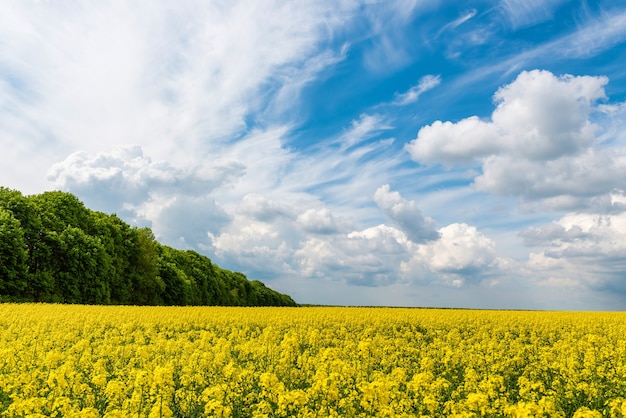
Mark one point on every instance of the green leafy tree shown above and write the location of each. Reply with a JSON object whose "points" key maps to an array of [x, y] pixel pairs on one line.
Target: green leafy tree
{"points": [[147, 285], [37, 243], [60, 209], [117, 239], [83, 269], [12, 255], [43, 267], [177, 286]]}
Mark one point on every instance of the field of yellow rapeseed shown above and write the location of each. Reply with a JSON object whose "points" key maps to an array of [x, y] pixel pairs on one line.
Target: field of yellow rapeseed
{"points": [[105, 361]]}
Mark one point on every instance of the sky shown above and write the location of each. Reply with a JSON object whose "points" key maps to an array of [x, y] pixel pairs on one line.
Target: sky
{"points": [[396, 153]]}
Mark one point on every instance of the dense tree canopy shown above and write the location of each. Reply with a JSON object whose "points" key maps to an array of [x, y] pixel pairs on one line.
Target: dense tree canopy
{"points": [[54, 249]]}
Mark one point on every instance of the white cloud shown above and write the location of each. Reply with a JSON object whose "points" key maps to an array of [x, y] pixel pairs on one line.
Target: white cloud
{"points": [[457, 22], [563, 184], [266, 237], [586, 249], [362, 129], [183, 221], [552, 233], [367, 258], [544, 117], [406, 215], [126, 176], [452, 143], [383, 255], [539, 145], [322, 221], [595, 36], [461, 254], [461, 248], [426, 83], [528, 12], [538, 116], [264, 209], [260, 249], [390, 45]]}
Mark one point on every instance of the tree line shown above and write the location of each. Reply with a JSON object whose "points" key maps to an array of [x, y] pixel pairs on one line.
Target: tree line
{"points": [[54, 249]]}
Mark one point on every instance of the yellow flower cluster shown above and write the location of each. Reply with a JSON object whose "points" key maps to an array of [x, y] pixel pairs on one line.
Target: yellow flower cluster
{"points": [[105, 361]]}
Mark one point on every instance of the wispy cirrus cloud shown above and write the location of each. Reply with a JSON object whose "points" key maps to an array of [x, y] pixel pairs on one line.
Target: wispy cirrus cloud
{"points": [[591, 37], [389, 46], [366, 127], [425, 83], [457, 22], [522, 13], [176, 81]]}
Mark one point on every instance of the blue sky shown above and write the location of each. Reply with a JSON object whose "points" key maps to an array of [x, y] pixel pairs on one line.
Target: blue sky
{"points": [[415, 153]]}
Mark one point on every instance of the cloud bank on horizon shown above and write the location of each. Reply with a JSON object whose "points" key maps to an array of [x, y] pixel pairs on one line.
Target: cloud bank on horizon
{"points": [[375, 153]]}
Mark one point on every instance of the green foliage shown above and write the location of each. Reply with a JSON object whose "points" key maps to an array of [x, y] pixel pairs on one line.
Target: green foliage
{"points": [[54, 249], [12, 255], [84, 268], [59, 210], [146, 283]]}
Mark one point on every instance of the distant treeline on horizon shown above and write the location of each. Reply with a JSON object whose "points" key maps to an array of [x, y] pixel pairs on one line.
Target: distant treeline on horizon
{"points": [[54, 249]]}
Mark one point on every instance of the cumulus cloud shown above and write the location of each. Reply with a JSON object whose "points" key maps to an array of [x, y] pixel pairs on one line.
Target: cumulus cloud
{"points": [[588, 249], [581, 181], [269, 231], [406, 215], [552, 233], [183, 221], [268, 238], [322, 221], [264, 209], [461, 248], [453, 143], [176, 202], [383, 255], [263, 250], [539, 116], [126, 176], [540, 143], [461, 254], [365, 258], [544, 117]]}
